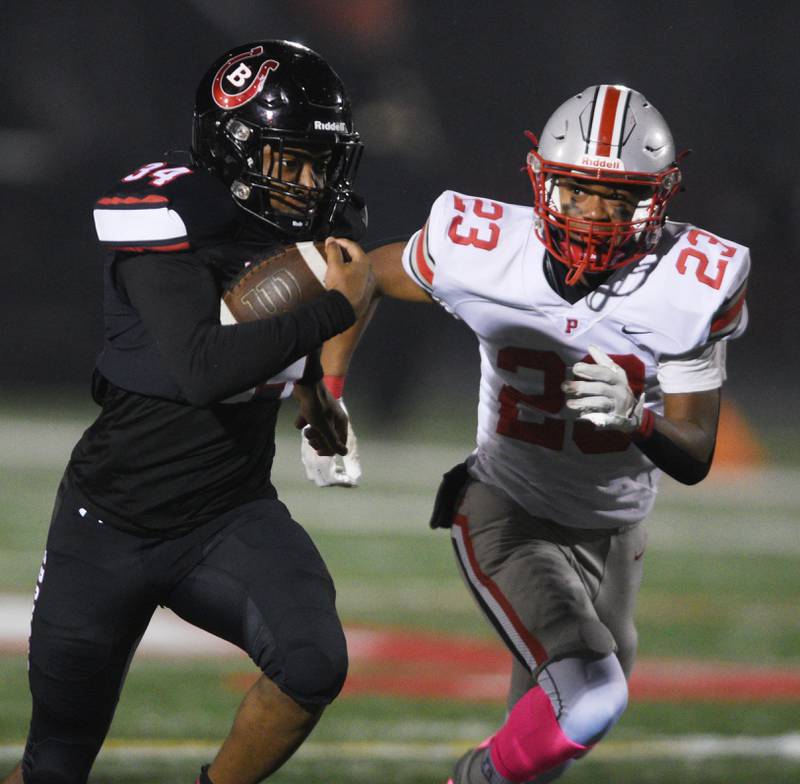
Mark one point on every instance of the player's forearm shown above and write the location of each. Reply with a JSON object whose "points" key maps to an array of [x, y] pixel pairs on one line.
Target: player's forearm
{"points": [[390, 280], [178, 303], [312, 374], [223, 360], [674, 460], [338, 351], [684, 448]]}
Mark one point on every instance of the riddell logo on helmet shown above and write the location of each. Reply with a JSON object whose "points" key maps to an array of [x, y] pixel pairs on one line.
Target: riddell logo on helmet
{"points": [[598, 162], [340, 127]]}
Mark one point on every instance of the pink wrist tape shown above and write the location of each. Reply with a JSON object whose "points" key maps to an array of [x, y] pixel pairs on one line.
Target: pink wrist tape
{"points": [[335, 385]]}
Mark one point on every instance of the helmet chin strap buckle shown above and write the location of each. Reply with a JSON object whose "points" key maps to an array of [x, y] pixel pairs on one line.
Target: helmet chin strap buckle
{"points": [[575, 273]]}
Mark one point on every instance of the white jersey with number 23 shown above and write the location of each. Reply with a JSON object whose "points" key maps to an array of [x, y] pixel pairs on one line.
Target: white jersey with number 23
{"points": [[664, 320]]}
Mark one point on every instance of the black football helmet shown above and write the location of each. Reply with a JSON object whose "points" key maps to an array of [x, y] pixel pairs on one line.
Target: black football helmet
{"points": [[281, 94]]}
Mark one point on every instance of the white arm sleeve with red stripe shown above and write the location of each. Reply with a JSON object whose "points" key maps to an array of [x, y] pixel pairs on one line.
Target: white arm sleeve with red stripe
{"points": [[704, 368], [730, 319], [698, 373], [422, 250]]}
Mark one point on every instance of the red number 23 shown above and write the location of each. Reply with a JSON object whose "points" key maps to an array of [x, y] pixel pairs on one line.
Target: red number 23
{"points": [[550, 432], [726, 252], [474, 235]]}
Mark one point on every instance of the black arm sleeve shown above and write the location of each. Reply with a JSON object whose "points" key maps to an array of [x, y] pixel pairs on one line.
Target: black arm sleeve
{"points": [[683, 446], [177, 298], [673, 460]]}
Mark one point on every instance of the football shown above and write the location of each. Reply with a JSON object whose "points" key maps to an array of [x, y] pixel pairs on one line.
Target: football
{"points": [[275, 284]]}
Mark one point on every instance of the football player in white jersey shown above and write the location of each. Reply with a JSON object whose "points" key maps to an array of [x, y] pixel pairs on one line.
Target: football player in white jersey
{"points": [[602, 329]]}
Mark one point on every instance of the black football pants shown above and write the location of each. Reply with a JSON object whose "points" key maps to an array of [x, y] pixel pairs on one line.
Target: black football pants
{"points": [[252, 576]]}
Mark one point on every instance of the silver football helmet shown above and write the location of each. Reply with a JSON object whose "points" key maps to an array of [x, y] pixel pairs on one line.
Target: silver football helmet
{"points": [[610, 136]]}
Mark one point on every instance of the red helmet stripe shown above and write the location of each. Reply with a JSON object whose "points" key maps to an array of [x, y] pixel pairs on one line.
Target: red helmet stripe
{"points": [[608, 119]]}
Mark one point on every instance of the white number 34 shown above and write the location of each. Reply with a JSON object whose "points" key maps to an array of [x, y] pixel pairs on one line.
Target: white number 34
{"points": [[159, 173]]}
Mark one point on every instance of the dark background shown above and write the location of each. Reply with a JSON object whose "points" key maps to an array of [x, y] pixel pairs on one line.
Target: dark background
{"points": [[442, 93]]}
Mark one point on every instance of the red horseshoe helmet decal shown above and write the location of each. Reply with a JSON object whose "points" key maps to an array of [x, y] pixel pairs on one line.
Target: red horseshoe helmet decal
{"points": [[226, 100]]}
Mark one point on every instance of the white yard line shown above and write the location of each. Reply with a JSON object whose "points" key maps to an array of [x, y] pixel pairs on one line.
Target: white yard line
{"points": [[167, 635], [752, 511], [44, 443], [681, 747]]}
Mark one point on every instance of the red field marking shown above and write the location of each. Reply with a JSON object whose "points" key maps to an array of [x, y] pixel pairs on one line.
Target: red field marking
{"points": [[687, 681], [411, 664]]}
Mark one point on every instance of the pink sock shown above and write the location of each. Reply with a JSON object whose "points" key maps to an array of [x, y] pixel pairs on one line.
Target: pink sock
{"points": [[531, 741]]}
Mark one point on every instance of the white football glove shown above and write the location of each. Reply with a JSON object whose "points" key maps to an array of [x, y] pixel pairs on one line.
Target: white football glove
{"points": [[604, 398], [336, 470]]}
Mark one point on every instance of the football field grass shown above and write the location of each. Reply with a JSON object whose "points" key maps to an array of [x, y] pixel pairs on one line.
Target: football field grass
{"points": [[721, 592]]}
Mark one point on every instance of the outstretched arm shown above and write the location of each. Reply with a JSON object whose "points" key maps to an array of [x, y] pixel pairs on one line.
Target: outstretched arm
{"points": [[390, 280]]}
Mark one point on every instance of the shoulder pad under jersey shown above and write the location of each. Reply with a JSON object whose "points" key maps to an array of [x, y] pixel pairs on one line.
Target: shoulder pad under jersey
{"points": [[460, 231], [164, 207], [709, 275], [421, 251]]}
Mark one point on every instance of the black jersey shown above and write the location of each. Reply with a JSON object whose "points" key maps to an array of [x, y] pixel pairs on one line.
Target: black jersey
{"points": [[186, 430]]}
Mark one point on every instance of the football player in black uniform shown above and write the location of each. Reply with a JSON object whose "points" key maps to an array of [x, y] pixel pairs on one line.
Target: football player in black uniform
{"points": [[166, 499]]}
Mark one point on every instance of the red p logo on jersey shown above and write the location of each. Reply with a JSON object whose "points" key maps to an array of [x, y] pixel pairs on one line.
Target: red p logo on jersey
{"points": [[242, 77], [572, 325]]}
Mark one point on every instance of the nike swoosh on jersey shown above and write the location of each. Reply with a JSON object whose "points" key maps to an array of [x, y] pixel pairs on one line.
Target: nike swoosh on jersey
{"points": [[635, 331]]}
